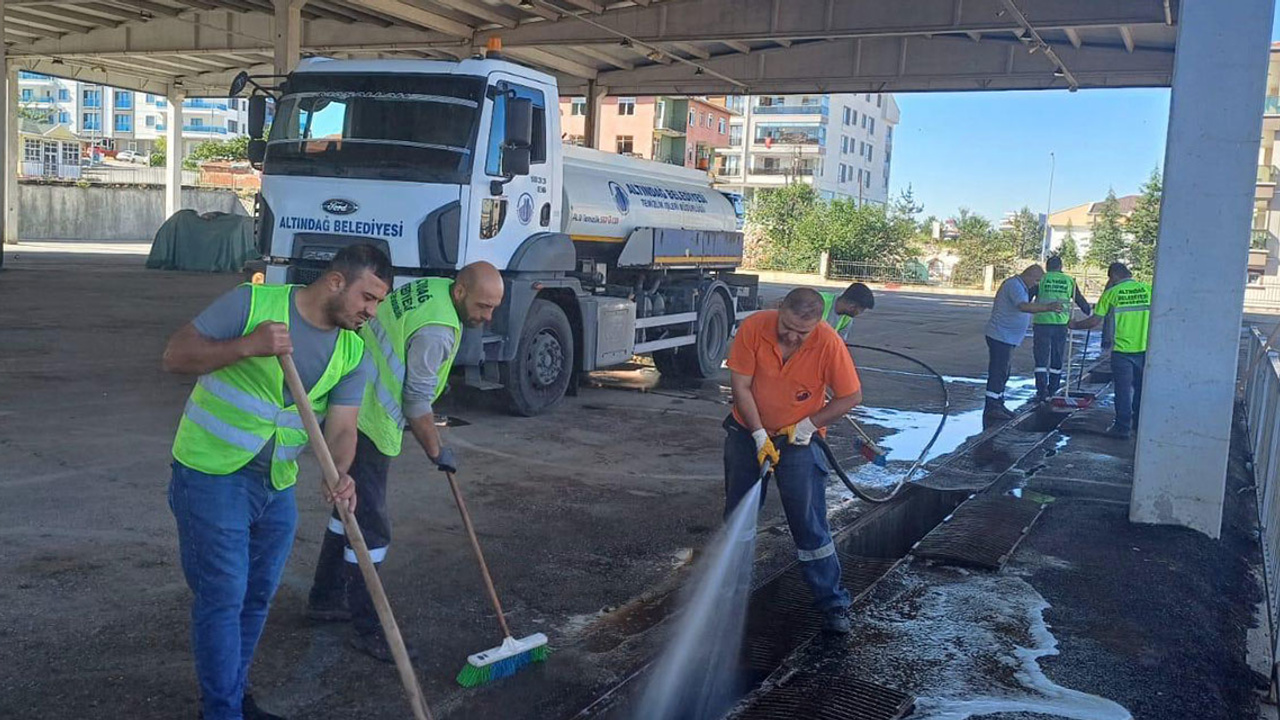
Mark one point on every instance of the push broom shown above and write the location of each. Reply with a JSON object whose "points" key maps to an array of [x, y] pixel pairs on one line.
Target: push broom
{"points": [[380, 603], [506, 659]]}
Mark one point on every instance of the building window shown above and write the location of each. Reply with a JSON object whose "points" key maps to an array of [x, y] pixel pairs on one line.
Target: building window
{"points": [[859, 176], [31, 150], [26, 94], [871, 151], [151, 99], [124, 122], [709, 119], [783, 133], [151, 121], [124, 99], [735, 136], [626, 106], [868, 97], [846, 116], [162, 103], [90, 121], [92, 98], [578, 106], [197, 122], [722, 125], [690, 118], [626, 145], [841, 174], [879, 101], [844, 144], [64, 95], [70, 153], [64, 117], [233, 126], [872, 130]]}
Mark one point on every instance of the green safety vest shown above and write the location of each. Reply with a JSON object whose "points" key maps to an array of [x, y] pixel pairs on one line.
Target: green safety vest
{"points": [[233, 412], [1131, 301], [839, 322], [405, 311], [1055, 286]]}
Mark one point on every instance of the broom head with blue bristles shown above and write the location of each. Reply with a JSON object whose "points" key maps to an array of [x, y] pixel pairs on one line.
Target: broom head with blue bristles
{"points": [[872, 453], [503, 661]]}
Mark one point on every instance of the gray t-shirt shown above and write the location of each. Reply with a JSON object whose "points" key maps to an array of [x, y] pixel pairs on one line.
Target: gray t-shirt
{"points": [[225, 319], [1009, 324], [427, 350]]}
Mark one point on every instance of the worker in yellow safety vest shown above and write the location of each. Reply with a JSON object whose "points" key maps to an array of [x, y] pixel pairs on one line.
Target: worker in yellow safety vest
{"points": [[1130, 300], [1049, 329], [414, 340], [839, 310], [238, 442]]}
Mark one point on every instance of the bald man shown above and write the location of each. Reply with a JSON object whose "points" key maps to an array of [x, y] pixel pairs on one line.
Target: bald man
{"points": [[413, 339]]}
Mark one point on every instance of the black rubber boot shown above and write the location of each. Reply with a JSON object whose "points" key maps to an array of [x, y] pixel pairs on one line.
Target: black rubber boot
{"points": [[328, 598], [374, 644]]}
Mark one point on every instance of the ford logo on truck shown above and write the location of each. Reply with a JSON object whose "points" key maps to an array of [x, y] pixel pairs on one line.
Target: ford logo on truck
{"points": [[338, 206]]}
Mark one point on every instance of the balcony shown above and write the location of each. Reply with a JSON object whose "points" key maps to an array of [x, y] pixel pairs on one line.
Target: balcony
{"points": [[802, 171], [209, 129], [1272, 105], [789, 110], [1267, 176], [1260, 239], [204, 105], [1262, 246]]}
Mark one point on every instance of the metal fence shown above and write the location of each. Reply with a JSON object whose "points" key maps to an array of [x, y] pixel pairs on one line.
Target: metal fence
{"points": [[1262, 413], [870, 272]]}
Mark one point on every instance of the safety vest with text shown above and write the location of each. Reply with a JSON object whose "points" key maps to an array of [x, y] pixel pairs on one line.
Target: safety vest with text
{"points": [[233, 412], [423, 302], [1055, 286], [1131, 301]]}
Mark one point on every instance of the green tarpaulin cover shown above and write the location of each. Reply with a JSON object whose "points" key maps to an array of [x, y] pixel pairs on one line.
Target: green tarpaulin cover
{"points": [[215, 242]]}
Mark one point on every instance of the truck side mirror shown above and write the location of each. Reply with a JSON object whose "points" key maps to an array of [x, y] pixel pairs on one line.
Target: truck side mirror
{"points": [[257, 116], [257, 152], [516, 160], [519, 129]]}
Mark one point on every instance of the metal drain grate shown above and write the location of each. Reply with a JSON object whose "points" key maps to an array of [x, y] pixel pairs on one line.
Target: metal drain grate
{"points": [[827, 696], [781, 617], [983, 532]]}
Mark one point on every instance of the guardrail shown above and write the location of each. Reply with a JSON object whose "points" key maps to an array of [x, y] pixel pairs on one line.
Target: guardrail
{"points": [[1262, 414]]}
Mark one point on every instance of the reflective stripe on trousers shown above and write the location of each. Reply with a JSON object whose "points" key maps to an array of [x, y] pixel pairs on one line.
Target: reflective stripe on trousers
{"points": [[375, 554]]}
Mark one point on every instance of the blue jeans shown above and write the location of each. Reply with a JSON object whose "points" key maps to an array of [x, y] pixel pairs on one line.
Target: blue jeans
{"points": [[1126, 372], [234, 534], [801, 476]]}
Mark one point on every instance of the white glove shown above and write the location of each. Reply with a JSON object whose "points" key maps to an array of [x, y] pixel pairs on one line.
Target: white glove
{"points": [[801, 432]]}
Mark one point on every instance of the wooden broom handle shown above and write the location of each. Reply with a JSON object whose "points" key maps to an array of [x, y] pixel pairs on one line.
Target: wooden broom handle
{"points": [[389, 627], [475, 545]]}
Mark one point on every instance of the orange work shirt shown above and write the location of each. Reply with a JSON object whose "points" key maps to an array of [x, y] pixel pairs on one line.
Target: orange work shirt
{"points": [[789, 392]]}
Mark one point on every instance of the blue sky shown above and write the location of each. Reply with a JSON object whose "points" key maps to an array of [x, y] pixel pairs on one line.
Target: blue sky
{"points": [[989, 152]]}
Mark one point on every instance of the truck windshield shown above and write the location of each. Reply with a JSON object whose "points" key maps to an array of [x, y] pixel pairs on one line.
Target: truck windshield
{"points": [[413, 128]]}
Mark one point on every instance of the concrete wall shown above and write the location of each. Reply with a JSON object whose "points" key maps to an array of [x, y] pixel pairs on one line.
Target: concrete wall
{"points": [[49, 211]]}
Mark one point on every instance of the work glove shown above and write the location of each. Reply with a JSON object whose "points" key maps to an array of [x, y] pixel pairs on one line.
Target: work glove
{"points": [[445, 461], [801, 432], [765, 449]]}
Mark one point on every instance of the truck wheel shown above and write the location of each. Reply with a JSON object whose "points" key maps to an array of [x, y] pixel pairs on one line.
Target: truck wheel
{"points": [[703, 358], [537, 378], [667, 362]]}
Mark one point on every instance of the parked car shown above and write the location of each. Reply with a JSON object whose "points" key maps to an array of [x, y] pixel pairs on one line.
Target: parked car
{"points": [[130, 156]]}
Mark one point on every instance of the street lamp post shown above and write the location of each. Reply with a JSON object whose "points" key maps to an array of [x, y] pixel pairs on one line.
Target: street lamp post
{"points": [[1044, 247]]}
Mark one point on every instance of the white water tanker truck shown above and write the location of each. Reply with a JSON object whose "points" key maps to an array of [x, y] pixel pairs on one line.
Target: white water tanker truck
{"points": [[445, 163]]}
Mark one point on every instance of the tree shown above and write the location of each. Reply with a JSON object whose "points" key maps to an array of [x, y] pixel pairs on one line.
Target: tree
{"points": [[1068, 250], [1108, 243], [1144, 228], [158, 155], [1025, 234], [980, 245]]}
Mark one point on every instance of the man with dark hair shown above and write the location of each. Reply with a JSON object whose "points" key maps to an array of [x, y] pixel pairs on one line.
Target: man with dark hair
{"points": [[1010, 315], [236, 450], [1130, 300], [1049, 333], [413, 340], [781, 365], [840, 310]]}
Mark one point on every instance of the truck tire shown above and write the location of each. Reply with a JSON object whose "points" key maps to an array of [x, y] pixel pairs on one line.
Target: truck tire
{"points": [[703, 358], [538, 377]]}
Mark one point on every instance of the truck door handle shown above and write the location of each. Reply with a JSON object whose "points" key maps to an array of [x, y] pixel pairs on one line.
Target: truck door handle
{"points": [[544, 217]]}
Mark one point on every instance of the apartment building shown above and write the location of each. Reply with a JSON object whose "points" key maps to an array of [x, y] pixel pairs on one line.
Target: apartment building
{"points": [[1263, 288], [118, 119], [842, 144], [676, 130]]}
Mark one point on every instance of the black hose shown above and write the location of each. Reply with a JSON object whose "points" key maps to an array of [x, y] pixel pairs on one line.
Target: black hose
{"points": [[924, 453]]}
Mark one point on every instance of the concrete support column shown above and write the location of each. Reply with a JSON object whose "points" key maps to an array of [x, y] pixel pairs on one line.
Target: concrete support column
{"points": [[1209, 176], [288, 26], [6, 127], [173, 159], [12, 154], [595, 98]]}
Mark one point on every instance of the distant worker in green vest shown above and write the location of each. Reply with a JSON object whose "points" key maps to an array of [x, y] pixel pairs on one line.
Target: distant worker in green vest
{"points": [[840, 310], [1049, 329], [414, 340], [236, 451], [1130, 300]]}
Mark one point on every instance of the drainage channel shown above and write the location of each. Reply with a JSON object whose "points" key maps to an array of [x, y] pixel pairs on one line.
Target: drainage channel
{"points": [[781, 620]]}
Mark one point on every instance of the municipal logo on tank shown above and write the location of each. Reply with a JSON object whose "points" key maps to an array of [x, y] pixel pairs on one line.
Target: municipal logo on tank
{"points": [[524, 208], [338, 206], [620, 197]]}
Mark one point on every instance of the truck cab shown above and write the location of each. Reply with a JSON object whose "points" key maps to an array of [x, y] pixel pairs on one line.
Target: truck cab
{"points": [[442, 164]]}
